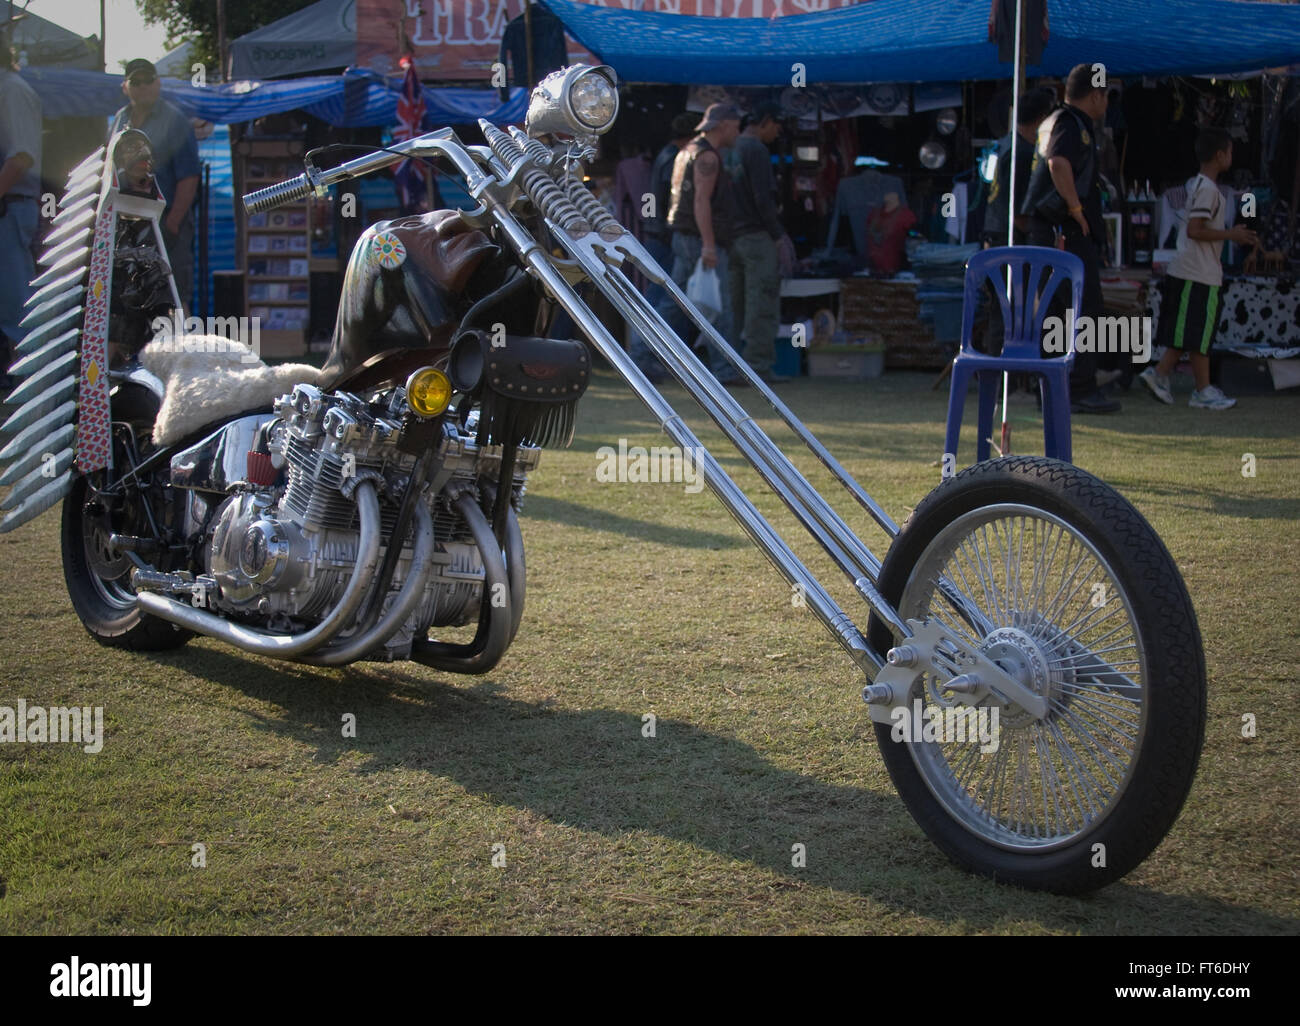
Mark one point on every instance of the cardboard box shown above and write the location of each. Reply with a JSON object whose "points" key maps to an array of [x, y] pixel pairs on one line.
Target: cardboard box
{"points": [[856, 363]]}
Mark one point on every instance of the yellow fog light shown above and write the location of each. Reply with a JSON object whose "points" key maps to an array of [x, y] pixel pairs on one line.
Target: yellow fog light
{"points": [[428, 391]]}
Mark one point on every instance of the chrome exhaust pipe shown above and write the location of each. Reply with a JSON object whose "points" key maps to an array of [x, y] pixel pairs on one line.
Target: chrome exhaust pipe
{"points": [[493, 635], [407, 601], [287, 646]]}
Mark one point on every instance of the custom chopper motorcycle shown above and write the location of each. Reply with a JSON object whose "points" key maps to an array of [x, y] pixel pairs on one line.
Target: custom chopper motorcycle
{"points": [[351, 512]]}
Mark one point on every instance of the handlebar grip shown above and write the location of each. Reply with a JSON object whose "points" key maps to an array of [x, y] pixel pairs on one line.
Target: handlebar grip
{"points": [[292, 191]]}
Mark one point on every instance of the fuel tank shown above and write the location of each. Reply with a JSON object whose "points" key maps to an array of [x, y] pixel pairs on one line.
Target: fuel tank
{"points": [[408, 283]]}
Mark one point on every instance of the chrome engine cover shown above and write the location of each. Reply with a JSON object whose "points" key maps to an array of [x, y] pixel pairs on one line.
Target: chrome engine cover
{"points": [[285, 554]]}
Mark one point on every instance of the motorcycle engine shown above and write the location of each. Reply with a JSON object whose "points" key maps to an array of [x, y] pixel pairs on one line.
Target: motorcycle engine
{"points": [[286, 555]]}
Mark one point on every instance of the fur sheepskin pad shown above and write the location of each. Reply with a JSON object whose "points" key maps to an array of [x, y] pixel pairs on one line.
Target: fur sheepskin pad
{"points": [[208, 377]]}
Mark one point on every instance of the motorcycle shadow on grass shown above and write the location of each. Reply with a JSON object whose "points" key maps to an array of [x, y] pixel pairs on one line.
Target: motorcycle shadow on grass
{"points": [[576, 514], [593, 770]]}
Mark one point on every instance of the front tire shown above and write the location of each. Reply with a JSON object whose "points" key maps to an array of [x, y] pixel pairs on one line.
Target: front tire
{"points": [[1072, 591]]}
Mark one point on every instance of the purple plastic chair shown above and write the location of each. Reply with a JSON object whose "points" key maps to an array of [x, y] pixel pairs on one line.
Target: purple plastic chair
{"points": [[1036, 274]]}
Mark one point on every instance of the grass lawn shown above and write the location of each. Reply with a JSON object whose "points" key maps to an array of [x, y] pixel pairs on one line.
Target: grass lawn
{"points": [[642, 599]]}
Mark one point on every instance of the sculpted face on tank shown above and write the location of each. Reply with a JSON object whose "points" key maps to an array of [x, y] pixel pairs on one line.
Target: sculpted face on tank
{"points": [[412, 304]]}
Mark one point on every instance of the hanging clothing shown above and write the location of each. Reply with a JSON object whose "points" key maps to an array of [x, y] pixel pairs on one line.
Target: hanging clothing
{"points": [[886, 238], [854, 198], [550, 52], [1035, 34], [661, 184], [631, 183]]}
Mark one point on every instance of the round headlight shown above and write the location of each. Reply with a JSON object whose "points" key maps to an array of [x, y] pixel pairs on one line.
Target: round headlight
{"points": [[593, 99], [428, 391]]}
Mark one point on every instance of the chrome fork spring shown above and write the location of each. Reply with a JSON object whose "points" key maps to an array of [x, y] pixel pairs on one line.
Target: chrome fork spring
{"points": [[548, 197], [507, 150], [602, 220]]}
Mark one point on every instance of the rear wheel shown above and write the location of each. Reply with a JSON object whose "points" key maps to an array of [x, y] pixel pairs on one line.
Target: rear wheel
{"points": [[1069, 590], [98, 576]]}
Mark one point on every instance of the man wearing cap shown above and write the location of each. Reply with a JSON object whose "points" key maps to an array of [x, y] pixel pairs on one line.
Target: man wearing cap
{"points": [[20, 190], [700, 216], [755, 266], [657, 240], [175, 163]]}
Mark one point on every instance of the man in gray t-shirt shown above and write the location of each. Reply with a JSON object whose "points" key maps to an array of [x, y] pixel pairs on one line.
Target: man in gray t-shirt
{"points": [[176, 165], [20, 190], [755, 267]]}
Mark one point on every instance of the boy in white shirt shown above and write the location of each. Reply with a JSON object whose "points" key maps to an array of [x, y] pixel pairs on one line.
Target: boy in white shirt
{"points": [[1189, 303]]}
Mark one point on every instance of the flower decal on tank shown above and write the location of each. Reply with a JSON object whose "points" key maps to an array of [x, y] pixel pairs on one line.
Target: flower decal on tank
{"points": [[386, 250]]}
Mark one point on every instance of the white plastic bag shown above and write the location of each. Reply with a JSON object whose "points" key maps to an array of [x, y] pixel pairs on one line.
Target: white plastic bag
{"points": [[705, 291]]}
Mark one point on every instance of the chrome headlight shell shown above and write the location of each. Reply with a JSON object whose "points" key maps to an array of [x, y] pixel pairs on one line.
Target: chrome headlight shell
{"points": [[577, 100]]}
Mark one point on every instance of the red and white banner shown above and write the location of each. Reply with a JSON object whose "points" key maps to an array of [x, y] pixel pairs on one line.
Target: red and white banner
{"points": [[460, 39]]}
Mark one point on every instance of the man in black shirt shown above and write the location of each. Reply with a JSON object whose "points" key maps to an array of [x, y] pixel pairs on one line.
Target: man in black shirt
{"points": [[657, 239], [1034, 108], [1035, 105], [701, 216], [1064, 196]]}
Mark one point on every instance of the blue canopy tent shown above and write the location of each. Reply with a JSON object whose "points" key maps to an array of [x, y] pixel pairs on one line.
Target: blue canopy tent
{"points": [[42, 42], [933, 40], [316, 38], [356, 98]]}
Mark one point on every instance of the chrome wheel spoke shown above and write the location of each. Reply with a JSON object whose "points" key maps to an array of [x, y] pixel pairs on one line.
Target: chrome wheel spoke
{"points": [[1037, 580]]}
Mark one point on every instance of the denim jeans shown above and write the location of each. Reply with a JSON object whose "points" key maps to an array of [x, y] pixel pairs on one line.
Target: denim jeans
{"points": [[17, 230], [637, 347], [686, 253]]}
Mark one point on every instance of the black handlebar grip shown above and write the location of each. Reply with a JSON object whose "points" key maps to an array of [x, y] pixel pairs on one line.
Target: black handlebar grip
{"points": [[292, 191]]}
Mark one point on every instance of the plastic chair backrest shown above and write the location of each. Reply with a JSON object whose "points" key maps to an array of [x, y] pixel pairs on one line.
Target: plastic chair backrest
{"points": [[1031, 295]]}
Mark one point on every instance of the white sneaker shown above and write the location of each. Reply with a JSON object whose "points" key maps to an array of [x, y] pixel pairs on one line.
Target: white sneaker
{"points": [[1211, 398], [1159, 385]]}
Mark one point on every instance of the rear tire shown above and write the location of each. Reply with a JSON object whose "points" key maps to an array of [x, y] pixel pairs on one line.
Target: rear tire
{"points": [[1113, 761], [99, 580]]}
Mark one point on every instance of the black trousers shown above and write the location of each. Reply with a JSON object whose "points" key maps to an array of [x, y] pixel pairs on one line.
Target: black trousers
{"points": [[1083, 376]]}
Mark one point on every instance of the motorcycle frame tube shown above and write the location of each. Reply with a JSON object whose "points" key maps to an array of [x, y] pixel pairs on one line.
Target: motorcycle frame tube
{"points": [[728, 493], [515, 571], [493, 635], [287, 646], [407, 601], [808, 506]]}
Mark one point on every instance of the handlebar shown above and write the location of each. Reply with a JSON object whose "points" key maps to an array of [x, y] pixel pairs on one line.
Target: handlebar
{"points": [[292, 191], [442, 141]]}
